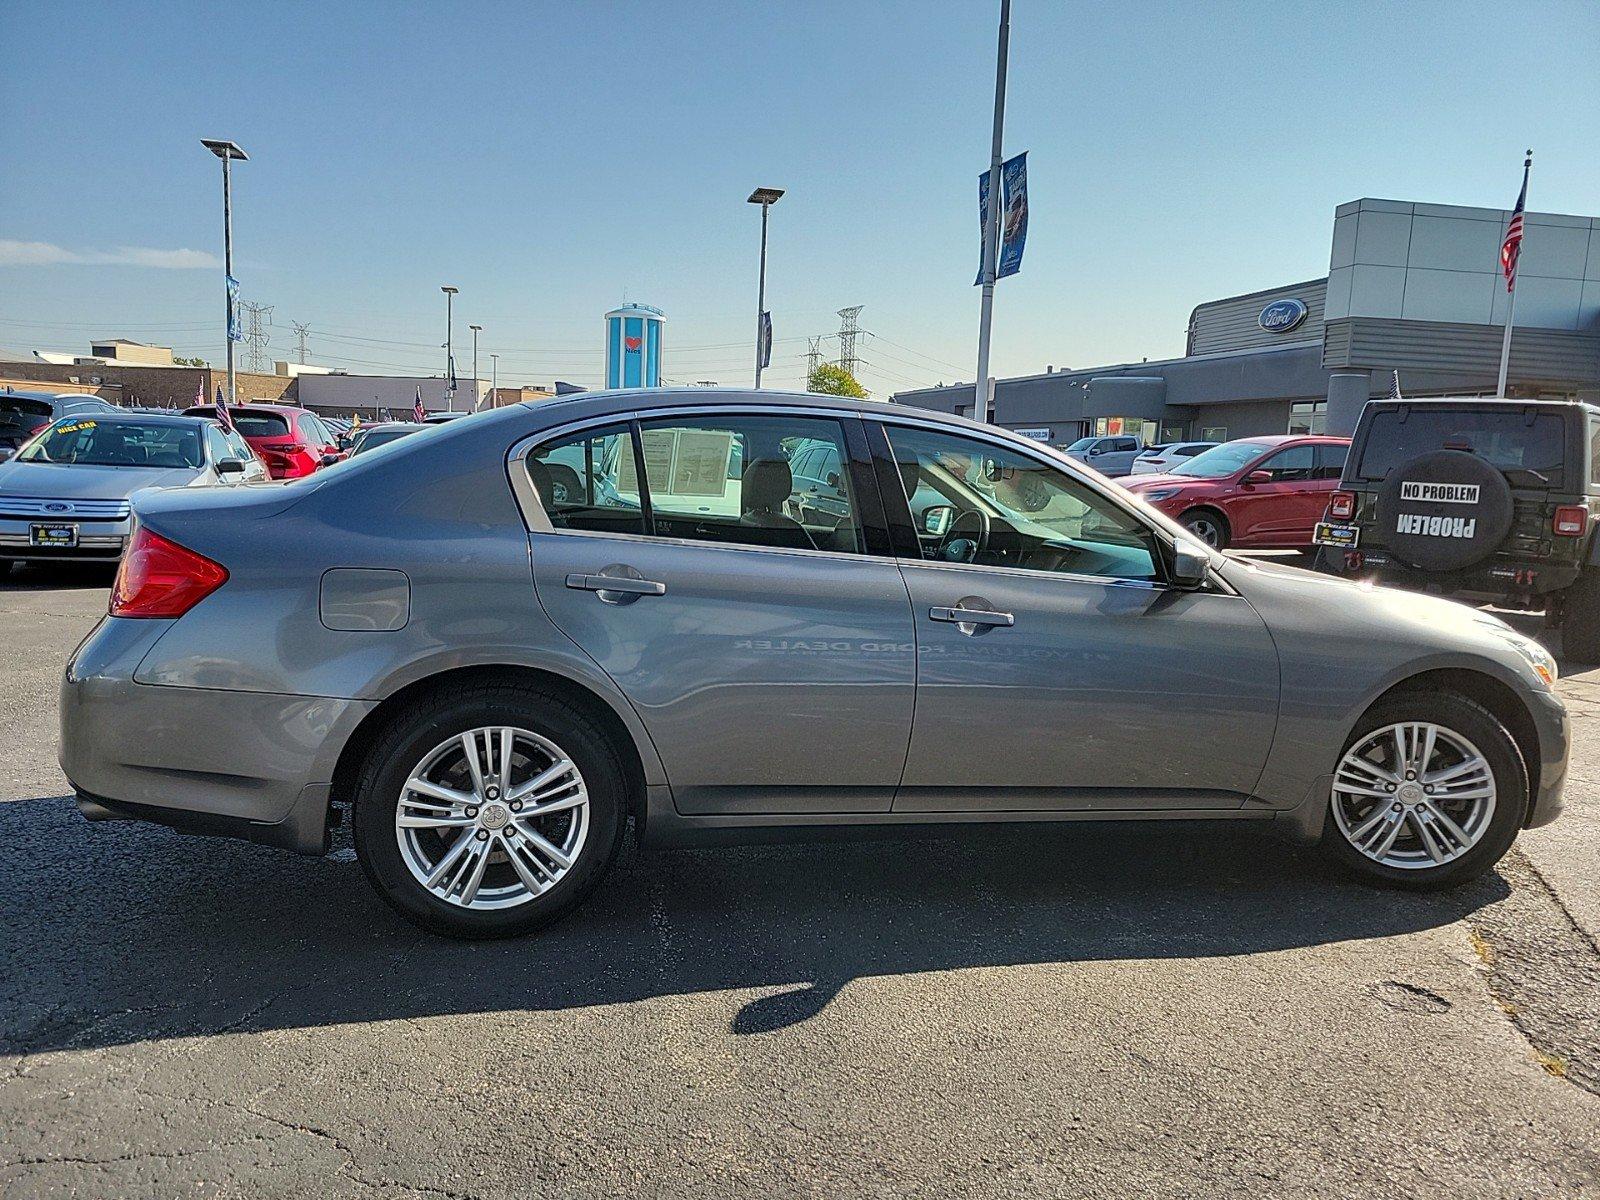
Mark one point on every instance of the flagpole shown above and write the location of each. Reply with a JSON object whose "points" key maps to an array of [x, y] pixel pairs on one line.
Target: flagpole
{"points": [[1511, 307], [991, 230]]}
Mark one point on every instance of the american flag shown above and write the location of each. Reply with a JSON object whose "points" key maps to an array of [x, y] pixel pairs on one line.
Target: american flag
{"points": [[200, 393], [1511, 248], [418, 413], [224, 417], [1394, 387]]}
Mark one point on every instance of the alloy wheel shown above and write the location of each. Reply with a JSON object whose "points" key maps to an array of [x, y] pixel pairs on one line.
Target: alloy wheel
{"points": [[492, 818], [1206, 530], [1413, 795]]}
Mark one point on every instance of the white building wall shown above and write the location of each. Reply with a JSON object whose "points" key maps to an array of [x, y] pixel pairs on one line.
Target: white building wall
{"points": [[397, 393]]}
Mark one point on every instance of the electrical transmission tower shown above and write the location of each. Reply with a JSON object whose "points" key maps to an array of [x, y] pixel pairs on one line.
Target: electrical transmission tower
{"points": [[300, 332], [258, 318], [813, 356], [849, 329]]}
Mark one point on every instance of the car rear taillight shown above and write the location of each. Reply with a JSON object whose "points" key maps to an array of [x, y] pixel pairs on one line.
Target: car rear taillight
{"points": [[1570, 520], [284, 447], [1342, 505], [159, 578]]}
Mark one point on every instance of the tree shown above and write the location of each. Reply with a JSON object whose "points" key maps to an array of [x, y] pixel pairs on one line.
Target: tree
{"points": [[830, 379], [189, 362]]}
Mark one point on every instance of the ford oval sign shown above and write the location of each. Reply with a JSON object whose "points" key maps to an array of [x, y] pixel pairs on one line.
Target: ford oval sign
{"points": [[58, 506], [1282, 315]]}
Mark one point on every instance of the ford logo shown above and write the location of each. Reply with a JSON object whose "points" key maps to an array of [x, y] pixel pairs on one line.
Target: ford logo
{"points": [[1282, 315], [58, 506]]}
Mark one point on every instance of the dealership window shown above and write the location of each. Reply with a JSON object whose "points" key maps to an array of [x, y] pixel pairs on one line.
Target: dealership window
{"points": [[1308, 416], [1214, 433]]}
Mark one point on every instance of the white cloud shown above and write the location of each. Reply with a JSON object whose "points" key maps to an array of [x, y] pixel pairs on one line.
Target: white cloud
{"points": [[48, 254]]}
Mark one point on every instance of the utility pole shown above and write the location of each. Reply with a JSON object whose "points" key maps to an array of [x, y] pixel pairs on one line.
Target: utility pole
{"points": [[849, 329], [449, 352], [228, 151], [300, 332], [766, 197], [981, 389], [476, 330], [494, 382]]}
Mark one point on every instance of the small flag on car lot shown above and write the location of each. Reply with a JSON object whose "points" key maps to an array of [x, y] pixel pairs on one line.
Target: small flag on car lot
{"points": [[1394, 387], [224, 417], [418, 413]]}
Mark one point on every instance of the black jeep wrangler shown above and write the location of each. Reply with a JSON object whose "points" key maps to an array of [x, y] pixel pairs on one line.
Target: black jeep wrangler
{"points": [[1491, 501]]}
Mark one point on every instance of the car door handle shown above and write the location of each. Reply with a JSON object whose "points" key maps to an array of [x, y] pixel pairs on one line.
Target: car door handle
{"points": [[616, 583], [971, 616]]}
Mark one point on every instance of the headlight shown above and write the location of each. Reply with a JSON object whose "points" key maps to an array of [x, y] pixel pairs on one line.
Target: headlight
{"points": [[1161, 494], [1540, 659]]}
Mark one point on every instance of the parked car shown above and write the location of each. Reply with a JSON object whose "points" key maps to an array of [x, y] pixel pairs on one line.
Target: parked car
{"points": [[25, 413], [293, 442], [1157, 460], [495, 674], [1111, 456], [1491, 501], [370, 437], [1263, 493], [67, 493]]}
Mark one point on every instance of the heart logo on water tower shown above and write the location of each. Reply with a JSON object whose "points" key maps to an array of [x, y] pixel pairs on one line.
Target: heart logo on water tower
{"points": [[633, 343]]}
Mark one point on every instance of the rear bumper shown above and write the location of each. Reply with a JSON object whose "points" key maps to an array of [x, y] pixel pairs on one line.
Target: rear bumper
{"points": [[239, 764], [1518, 581]]}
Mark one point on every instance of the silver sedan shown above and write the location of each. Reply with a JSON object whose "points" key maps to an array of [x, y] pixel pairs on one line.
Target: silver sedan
{"points": [[495, 646], [68, 492]]}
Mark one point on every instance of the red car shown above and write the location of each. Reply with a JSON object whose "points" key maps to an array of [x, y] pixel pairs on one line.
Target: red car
{"points": [[1265, 493], [291, 441]]}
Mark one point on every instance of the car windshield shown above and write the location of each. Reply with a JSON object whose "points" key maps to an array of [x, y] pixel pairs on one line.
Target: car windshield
{"points": [[1220, 461], [372, 439], [92, 442], [1526, 444], [1082, 443]]}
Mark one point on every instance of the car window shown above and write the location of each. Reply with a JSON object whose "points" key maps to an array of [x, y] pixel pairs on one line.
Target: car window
{"points": [[580, 485], [1220, 461], [256, 424], [315, 431], [695, 495], [90, 441], [1292, 465], [1330, 461], [1125, 444], [1528, 444], [1192, 450], [988, 505], [239, 448], [1594, 449], [217, 447]]}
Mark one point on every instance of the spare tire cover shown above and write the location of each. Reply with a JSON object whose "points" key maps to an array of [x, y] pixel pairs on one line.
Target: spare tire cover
{"points": [[1444, 510]]}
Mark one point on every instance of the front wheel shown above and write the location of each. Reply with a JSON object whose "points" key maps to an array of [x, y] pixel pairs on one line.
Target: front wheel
{"points": [[1429, 791], [1209, 526], [489, 810]]}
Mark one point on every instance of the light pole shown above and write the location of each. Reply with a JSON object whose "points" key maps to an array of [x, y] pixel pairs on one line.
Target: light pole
{"points": [[476, 330], [449, 352], [227, 152], [494, 379], [991, 227], [766, 197]]}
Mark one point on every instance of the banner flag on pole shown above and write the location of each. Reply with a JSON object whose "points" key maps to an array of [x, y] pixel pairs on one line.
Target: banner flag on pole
{"points": [[766, 340], [235, 334], [1013, 216]]}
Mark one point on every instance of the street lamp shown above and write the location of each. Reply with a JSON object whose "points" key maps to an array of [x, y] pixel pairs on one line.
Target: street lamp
{"points": [[476, 330], [227, 152], [766, 197], [449, 352], [494, 379]]}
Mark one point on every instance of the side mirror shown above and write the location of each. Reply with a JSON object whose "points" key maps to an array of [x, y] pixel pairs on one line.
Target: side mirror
{"points": [[936, 518], [833, 479], [1256, 477], [230, 466], [327, 460], [6, 452], [1094, 450], [1190, 564]]}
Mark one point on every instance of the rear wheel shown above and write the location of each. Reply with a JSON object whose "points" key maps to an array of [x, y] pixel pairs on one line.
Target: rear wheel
{"points": [[1580, 619], [489, 810], [1430, 791], [1210, 526]]}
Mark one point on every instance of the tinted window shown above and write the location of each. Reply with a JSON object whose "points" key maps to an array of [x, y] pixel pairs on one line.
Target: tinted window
{"points": [[88, 441], [1526, 443], [695, 493], [19, 415], [1330, 461], [1122, 444], [1191, 451], [1036, 517], [580, 482], [259, 424], [1292, 465]]}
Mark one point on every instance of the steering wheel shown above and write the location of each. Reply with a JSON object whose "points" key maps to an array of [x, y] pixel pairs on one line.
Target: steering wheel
{"points": [[966, 538]]}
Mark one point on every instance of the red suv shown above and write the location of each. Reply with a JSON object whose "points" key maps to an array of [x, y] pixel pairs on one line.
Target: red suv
{"points": [[1265, 493], [291, 441]]}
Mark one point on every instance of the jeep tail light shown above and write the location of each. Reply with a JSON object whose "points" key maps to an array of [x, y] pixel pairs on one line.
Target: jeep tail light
{"points": [[159, 578], [1571, 520], [1342, 505]]}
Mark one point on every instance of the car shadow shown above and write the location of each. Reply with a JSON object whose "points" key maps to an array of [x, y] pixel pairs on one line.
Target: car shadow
{"points": [[48, 576], [121, 933]]}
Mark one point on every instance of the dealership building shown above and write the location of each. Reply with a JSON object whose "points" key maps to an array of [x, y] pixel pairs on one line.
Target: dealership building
{"points": [[1413, 288]]}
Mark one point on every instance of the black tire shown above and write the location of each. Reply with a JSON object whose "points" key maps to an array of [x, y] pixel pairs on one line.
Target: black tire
{"points": [[1479, 726], [1210, 526], [1580, 619], [417, 730]]}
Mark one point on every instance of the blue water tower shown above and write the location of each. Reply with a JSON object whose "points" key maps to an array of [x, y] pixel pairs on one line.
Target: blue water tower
{"points": [[633, 346]]}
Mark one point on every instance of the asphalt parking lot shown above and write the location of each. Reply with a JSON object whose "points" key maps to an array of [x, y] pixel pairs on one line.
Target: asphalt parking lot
{"points": [[1085, 1011]]}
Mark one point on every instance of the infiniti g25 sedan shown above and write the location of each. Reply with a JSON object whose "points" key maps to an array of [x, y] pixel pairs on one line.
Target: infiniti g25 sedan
{"points": [[498, 644]]}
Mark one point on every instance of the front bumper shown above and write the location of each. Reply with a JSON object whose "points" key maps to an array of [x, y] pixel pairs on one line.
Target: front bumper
{"points": [[240, 764], [98, 541], [1554, 727]]}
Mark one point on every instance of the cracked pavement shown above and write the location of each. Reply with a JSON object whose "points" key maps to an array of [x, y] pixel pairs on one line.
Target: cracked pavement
{"points": [[1091, 1011]]}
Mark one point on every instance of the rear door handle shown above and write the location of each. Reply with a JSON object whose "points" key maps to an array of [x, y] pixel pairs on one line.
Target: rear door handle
{"points": [[971, 616], [616, 583]]}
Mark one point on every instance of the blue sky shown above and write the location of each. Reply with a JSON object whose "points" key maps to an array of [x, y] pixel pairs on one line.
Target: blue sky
{"points": [[550, 159]]}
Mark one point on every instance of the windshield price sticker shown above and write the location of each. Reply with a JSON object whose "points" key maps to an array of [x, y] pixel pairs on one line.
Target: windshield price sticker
{"points": [[1440, 493]]}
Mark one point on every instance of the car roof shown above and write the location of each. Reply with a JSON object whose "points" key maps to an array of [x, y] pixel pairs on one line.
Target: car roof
{"points": [[153, 418], [31, 394], [1289, 439], [285, 409], [1479, 402]]}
